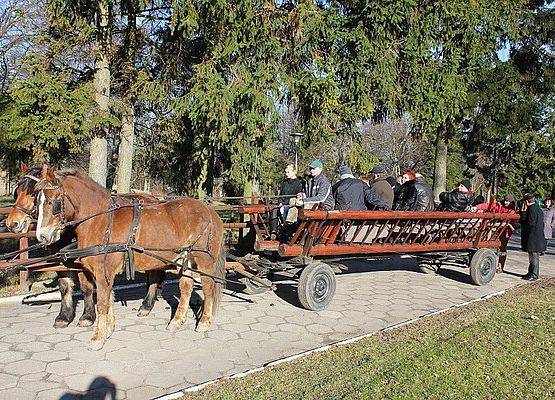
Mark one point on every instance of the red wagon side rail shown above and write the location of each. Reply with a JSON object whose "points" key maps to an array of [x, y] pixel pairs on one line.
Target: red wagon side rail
{"points": [[336, 233]]}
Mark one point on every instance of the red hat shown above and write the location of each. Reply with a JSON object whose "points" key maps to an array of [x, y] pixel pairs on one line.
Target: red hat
{"points": [[410, 173]]}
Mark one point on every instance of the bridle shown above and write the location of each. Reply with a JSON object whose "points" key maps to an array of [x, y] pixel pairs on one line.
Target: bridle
{"points": [[32, 212], [58, 205]]}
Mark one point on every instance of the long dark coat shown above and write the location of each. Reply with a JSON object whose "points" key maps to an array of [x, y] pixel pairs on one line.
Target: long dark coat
{"points": [[533, 237]]}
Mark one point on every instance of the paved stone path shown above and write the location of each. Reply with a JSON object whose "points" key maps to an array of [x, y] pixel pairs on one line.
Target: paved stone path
{"points": [[142, 360]]}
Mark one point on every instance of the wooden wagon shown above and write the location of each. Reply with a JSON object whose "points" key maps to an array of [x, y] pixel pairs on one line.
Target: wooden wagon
{"points": [[307, 247]]}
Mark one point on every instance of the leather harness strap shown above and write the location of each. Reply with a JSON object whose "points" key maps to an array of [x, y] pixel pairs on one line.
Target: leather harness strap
{"points": [[129, 260]]}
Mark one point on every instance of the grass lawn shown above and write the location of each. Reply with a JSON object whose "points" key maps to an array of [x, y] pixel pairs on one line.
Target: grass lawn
{"points": [[503, 348]]}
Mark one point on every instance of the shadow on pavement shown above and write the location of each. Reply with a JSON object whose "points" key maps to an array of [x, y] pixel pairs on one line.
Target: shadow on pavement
{"points": [[101, 388], [287, 285]]}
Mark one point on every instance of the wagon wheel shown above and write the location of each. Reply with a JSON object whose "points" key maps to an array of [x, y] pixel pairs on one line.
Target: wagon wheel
{"points": [[316, 286], [482, 266], [428, 266], [252, 287]]}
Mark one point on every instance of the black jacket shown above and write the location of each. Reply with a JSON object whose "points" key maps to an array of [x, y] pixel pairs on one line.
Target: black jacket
{"points": [[290, 188], [455, 201], [354, 194], [414, 195], [533, 236]]}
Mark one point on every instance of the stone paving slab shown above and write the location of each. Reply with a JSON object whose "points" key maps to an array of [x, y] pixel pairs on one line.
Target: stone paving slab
{"points": [[142, 360]]}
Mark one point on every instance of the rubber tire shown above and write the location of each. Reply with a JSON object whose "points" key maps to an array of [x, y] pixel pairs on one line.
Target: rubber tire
{"points": [[483, 265], [251, 287], [313, 275], [427, 266]]}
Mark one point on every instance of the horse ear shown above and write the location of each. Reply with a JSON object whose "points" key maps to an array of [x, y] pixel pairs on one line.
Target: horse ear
{"points": [[50, 175], [47, 173], [23, 168], [44, 171]]}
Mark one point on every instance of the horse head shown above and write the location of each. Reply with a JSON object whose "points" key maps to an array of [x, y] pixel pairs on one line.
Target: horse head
{"points": [[23, 211], [50, 201]]}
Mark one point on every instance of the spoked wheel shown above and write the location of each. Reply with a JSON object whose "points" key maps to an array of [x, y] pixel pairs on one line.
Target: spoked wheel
{"points": [[428, 265], [252, 287], [316, 286], [482, 266]]}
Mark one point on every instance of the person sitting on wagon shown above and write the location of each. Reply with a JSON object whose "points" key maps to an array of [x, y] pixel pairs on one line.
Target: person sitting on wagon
{"points": [[460, 199], [351, 193], [320, 190], [414, 194], [290, 188], [382, 186], [507, 206]]}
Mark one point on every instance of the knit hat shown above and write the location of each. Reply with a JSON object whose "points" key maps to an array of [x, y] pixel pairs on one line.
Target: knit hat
{"points": [[378, 169], [466, 183], [316, 164], [344, 170]]}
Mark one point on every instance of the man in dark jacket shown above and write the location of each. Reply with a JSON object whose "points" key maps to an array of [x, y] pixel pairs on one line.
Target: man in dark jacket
{"points": [[414, 194], [290, 188], [460, 199], [533, 237], [382, 186], [320, 190], [353, 194], [291, 185]]}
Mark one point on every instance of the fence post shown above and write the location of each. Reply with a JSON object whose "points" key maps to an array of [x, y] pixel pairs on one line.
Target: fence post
{"points": [[24, 284]]}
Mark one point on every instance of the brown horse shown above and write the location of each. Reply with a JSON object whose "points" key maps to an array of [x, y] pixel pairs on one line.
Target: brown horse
{"points": [[19, 220], [185, 224]]}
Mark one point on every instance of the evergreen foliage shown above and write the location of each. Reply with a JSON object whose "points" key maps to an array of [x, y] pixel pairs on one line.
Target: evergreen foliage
{"points": [[210, 80], [47, 115]]}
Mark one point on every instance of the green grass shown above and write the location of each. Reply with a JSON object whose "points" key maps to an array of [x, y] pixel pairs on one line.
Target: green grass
{"points": [[503, 348]]}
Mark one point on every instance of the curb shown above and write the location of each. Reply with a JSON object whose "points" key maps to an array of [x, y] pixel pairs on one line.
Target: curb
{"points": [[196, 388]]}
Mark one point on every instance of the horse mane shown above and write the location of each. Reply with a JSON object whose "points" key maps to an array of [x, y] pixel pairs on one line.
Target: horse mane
{"points": [[84, 178], [26, 184], [68, 172]]}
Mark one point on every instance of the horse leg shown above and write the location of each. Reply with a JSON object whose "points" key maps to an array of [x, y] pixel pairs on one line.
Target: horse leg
{"points": [[105, 316], [211, 288], [155, 282], [67, 312], [111, 321], [87, 287], [186, 285], [208, 288]]}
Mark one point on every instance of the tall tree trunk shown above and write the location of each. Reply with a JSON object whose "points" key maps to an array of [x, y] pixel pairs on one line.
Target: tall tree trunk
{"points": [[125, 158], [440, 164], [98, 161], [200, 180]]}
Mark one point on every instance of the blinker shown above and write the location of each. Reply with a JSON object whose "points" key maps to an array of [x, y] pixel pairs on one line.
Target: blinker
{"points": [[56, 207]]}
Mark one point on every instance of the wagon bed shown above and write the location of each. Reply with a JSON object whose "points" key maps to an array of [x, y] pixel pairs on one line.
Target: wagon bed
{"points": [[472, 239]]}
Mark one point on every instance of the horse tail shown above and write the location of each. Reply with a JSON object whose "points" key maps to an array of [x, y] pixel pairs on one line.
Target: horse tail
{"points": [[219, 273]]}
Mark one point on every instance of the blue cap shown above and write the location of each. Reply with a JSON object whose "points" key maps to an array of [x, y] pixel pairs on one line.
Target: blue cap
{"points": [[316, 164]]}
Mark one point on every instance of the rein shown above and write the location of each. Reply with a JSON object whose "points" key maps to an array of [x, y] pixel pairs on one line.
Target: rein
{"points": [[70, 252]]}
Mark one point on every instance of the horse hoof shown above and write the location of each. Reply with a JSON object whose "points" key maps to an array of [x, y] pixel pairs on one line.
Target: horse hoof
{"points": [[143, 312], [60, 323], [96, 344], [202, 327], [85, 323], [110, 330], [173, 326]]}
